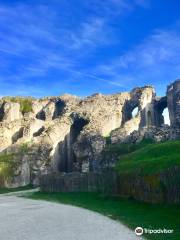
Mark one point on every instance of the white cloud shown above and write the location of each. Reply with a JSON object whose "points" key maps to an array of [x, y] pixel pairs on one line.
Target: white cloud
{"points": [[157, 55]]}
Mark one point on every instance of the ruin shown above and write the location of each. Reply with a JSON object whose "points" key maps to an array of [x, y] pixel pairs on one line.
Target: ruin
{"points": [[67, 133]]}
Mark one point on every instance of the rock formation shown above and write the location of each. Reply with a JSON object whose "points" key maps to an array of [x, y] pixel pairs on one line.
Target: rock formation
{"points": [[67, 133]]}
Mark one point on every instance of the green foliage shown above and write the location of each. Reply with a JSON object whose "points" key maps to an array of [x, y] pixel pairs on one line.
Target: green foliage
{"points": [[7, 165], [120, 149], [151, 158], [23, 148], [26, 106], [130, 212], [25, 103]]}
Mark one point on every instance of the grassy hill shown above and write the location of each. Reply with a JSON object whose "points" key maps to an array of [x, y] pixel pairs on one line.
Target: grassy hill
{"points": [[149, 158]]}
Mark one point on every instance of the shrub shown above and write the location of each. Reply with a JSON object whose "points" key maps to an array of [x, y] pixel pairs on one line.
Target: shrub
{"points": [[7, 165]]}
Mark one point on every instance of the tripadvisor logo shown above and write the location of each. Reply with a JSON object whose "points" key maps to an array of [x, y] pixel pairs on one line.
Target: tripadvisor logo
{"points": [[139, 231]]}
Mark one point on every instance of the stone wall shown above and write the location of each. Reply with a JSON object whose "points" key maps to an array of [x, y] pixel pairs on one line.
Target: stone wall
{"points": [[162, 187], [79, 182], [155, 188]]}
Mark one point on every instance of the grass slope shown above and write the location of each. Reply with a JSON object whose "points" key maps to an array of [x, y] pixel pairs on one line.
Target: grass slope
{"points": [[151, 158], [130, 212]]}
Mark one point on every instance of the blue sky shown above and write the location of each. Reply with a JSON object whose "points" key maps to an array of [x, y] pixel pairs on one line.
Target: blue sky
{"points": [[86, 46]]}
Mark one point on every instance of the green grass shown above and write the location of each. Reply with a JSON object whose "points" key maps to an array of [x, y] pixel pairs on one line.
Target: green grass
{"points": [[151, 158], [7, 190], [130, 212], [25, 103], [120, 149]]}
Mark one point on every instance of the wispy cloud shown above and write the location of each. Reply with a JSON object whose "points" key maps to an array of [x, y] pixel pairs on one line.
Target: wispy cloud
{"points": [[91, 33], [157, 55], [40, 39], [36, 39]]}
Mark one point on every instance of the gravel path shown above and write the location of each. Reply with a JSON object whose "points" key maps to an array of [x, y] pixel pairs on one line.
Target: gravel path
{"points": [[26, 219]]}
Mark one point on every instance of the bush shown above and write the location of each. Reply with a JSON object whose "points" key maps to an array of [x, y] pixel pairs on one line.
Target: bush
{"points": [[7, 165]]}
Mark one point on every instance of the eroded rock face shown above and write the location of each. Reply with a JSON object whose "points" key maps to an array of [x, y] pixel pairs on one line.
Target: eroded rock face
{"points": [[10, 111], [173, 98], [67, 133]]}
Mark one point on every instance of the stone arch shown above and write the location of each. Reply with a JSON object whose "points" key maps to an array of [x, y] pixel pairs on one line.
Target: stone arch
{"points": [[128, 110], [159, 106]]}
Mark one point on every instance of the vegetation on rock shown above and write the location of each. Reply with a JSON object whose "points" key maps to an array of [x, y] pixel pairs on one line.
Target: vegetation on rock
{"points": [[7, 165], [25, 103]]}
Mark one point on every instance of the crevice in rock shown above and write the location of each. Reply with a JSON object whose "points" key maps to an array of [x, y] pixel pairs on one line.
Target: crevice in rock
{"points": [[2, 112], [59, 109], [64, 153], [17, 135], [39, 132], [41, 115]]}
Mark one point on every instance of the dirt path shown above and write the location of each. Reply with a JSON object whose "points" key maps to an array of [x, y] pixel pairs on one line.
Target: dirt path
{"points": [[26, 219]]}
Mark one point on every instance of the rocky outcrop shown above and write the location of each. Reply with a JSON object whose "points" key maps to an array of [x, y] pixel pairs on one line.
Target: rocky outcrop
{"points": [[173, 100], [10, 111], [68, 133]]}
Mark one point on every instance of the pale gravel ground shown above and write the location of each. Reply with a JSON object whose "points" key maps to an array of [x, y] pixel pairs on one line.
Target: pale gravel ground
{"points": [[26, 219]]}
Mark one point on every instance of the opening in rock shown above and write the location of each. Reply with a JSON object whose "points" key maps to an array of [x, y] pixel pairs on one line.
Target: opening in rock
{"points": [[17, 135], [39, 132], [41, 115], [59, 109], [135, 112], [1, 112], [160, 106], [166, 116], [130, 110], [64, 153]]}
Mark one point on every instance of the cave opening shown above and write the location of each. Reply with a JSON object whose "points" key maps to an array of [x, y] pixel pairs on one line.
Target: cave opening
{"points": [[41, 115], [66, 156], [59, 109]]}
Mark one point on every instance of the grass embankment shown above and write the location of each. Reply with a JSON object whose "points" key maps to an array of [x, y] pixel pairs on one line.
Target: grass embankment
{"points": [[130, 212], [151, 158]]}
